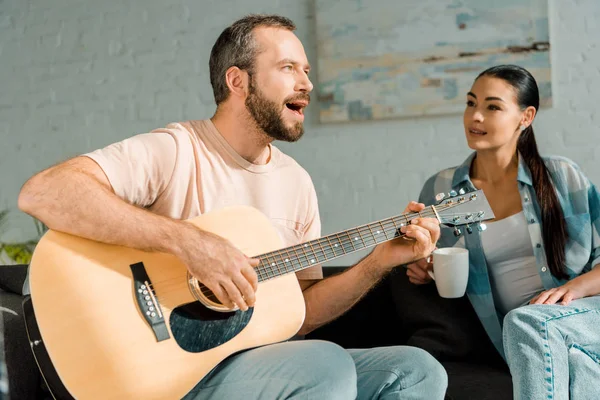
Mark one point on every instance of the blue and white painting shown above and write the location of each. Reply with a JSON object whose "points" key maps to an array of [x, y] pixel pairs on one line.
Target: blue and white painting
{"points": [[380, 59]]}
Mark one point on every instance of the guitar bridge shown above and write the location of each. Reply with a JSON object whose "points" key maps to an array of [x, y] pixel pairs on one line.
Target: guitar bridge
{"points": [[147, 302]]}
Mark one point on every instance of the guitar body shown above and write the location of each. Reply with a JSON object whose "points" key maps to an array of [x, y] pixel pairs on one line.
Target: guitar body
{"points": [[97, 333]]}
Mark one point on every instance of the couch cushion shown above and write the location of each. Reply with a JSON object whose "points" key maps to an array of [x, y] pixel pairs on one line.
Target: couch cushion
{"points": [[447, 328], [12, 277]]}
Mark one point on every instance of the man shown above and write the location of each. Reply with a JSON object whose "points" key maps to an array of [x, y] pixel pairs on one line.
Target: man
{"points": [[137, 193]]}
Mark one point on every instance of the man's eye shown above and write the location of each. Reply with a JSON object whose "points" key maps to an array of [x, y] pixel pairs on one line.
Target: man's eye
{"points": [[288, 67]]}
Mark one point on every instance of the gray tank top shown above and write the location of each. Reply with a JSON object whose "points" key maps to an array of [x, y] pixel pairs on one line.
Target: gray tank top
{"points": [[511, 264]]}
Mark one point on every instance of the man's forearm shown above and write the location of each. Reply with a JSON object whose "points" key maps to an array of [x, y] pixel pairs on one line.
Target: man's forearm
{"points": [[328, 299], [72, 201]]}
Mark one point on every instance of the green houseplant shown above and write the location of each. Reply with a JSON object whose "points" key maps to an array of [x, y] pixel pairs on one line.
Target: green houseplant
{"points": [[18, 253]]}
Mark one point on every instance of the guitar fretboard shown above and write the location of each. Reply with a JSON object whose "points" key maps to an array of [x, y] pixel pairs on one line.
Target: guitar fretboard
{"points": [[318, 251]]}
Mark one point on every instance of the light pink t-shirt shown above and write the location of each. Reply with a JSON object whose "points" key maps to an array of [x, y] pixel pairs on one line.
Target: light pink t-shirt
{"points": [[188, 169]]}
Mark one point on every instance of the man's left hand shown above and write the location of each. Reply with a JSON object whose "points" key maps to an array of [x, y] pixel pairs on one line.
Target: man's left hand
{"points": [[418, 242]]}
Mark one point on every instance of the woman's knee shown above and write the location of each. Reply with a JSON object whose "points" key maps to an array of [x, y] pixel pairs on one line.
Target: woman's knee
{"points": [[523, 318]]}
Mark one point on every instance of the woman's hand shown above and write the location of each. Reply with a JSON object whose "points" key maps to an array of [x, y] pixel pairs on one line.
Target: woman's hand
{"points": [[563, 295], [417, 271]]}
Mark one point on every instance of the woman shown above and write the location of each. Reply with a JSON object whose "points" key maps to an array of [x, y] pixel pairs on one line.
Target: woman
{"points": [[532, 278]]}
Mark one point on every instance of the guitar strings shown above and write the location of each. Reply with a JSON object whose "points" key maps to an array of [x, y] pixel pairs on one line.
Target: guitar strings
{"points": [[342, 238], [263, 272]]}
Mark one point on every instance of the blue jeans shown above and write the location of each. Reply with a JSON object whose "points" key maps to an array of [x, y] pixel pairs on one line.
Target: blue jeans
{"points": [[314, 369], [553, 351]]}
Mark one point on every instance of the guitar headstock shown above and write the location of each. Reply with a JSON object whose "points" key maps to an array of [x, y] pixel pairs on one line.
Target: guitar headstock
{"points": [[463, 209]]}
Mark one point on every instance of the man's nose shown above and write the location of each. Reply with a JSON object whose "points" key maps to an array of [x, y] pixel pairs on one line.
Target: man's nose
{"points": [[303, 83]]}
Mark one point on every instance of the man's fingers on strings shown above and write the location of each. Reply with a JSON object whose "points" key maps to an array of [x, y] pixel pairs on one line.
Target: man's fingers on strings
{"points": [[246, 289], [235, 295], [414, 206], [250, 274], [221, 295], [254, 262]]}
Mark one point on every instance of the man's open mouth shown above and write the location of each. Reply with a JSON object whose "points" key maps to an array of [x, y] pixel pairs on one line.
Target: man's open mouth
{"points": [[297, 106]]}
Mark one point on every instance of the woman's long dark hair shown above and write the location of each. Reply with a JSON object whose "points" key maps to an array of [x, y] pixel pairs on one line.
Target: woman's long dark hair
{"points": [[554, 230]]}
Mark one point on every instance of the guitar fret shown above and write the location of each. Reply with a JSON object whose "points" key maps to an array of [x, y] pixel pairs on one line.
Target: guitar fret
{"points": [[361, 238], [337, 246], [349, 241], [279, 260], [314, 257], [288, 261], [304, 246], [274, 264], [269, 267], [298, 257], [372, 234], [325, 258], [331, 246], [383, 230], [396, 231]]}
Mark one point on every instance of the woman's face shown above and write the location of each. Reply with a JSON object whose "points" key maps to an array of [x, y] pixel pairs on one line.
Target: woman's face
{"points": [[492, 116]]}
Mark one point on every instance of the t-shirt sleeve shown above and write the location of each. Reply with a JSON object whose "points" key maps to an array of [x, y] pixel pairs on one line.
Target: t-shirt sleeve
{"points": [[312, 230], [138, 168]]}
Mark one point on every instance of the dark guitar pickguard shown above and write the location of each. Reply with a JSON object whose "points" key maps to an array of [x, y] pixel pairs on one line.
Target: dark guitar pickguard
{"points": [[197, 328]]}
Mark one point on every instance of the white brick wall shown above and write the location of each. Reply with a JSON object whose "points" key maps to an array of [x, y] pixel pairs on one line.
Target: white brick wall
{"points": [[77, 75]]}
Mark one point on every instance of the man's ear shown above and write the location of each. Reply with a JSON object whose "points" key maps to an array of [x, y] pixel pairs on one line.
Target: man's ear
{"points": [[237, 81], [528, 116]]}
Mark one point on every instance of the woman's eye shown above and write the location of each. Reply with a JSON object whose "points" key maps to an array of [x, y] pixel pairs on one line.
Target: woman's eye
{"points": [[470, 103], [493, 107]]}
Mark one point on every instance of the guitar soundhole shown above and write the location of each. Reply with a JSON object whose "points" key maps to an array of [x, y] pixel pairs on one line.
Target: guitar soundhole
{"points": [[203, 294], [206, 292]]}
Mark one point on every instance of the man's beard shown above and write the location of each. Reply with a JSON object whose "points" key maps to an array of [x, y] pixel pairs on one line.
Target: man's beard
{"points": [[268, 118]]}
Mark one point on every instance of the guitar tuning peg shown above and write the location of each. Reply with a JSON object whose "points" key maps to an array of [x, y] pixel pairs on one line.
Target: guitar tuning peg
{"points": [[457, 232], [469, 230], [452, 193], [461, 191], [439, 197], [481, 227]]}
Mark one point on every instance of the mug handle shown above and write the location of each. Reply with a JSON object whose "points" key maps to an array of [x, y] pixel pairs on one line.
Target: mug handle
{"points": [[430, 272]]}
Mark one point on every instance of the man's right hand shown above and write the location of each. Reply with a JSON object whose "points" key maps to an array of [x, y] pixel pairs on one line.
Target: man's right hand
{"points": [[221, 267], [417, 271]]}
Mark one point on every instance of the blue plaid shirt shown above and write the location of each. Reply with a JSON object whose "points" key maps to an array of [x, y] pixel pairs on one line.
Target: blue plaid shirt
{"points": [[580, 201]]}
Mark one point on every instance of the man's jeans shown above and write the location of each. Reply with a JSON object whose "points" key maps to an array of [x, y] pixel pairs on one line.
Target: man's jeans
{"points": [[313, 369], [553, 351]]}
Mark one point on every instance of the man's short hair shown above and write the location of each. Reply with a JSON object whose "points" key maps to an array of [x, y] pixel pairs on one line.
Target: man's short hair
{"points": [[236, 47]]}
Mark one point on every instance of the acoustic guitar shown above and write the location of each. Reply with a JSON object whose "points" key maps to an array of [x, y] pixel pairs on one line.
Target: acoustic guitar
{"points": [[119, 323]]}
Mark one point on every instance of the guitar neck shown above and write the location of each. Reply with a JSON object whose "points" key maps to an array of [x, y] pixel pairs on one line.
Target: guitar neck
{"points": [[318, 251]]}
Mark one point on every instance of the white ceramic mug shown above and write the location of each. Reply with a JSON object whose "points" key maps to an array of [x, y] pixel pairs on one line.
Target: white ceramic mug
{"points": [[450, 271]]}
